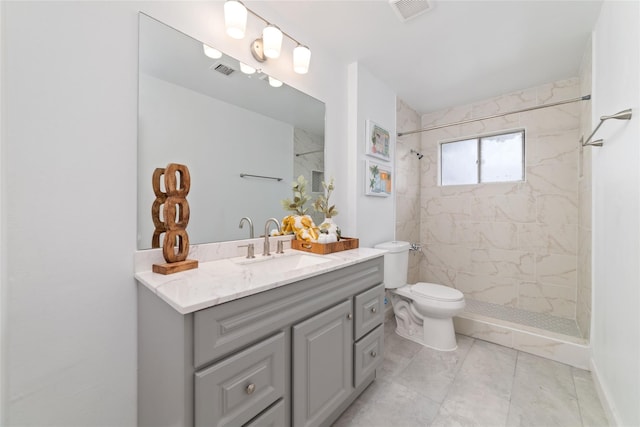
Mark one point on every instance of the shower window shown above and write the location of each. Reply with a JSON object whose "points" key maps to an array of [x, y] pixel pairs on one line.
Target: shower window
{"points": [[491, 158]]}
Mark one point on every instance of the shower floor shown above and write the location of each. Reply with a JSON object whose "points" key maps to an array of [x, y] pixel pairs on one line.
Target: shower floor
{"points": [[544, 335], [542, 321]]}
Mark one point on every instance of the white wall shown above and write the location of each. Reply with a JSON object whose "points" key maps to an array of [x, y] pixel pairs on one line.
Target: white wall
{"points": [[69, 86], [616, 210], [370, 99], [3, 277]]}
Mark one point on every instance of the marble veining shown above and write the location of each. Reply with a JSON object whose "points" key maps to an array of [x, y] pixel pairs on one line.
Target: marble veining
{"points": [[517, 244], [221, 280]]}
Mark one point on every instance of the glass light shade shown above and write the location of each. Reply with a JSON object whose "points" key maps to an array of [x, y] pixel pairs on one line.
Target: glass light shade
{"points": [[247, 69], [272, 41], [274, 82], [301, 58], [211, 52], [235, 18]]}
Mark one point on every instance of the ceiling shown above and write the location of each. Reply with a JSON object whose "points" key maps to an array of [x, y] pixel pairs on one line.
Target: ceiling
{"points": [[456, 53]]}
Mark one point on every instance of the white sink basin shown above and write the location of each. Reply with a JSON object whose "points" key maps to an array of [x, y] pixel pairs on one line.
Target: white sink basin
{"points": [[280, 262]]}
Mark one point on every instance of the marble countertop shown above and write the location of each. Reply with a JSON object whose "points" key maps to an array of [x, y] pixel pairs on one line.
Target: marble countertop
{"points": [[223, 280]]}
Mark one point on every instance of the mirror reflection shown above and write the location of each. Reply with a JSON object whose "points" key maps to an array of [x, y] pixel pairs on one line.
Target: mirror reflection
{"points": [[243, 140]]}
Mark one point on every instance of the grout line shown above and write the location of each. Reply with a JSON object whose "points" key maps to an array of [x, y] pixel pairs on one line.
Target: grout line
{"points": [[575, 391]]}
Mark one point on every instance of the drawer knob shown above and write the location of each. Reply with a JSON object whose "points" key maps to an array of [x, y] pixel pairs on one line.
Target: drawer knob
{"points": [[374, 310], [349, 316], [373, 353], [250, 388]]}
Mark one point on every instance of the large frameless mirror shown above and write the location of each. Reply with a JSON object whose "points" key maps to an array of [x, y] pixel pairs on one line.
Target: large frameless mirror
{"points": [[221, 123]]}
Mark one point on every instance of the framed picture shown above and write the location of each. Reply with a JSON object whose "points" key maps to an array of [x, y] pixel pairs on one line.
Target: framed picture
{"points": [[378, 179], [378, 142]]}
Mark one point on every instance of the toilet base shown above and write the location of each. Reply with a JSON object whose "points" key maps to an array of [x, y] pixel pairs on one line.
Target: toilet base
{"points": [[437, 334], [435, 331]]}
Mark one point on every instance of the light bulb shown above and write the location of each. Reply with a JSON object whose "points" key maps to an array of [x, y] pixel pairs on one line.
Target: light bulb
{"points": [[274, 82], [301, 58], [235, 18], [272, 41], [247, 69], [211, 52]]}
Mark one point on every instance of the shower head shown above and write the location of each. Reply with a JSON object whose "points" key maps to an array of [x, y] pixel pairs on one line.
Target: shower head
{"points": [[621, 115], [420, 156]]}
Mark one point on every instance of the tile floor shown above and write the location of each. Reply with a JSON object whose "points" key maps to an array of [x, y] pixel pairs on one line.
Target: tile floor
{"points": [[479, 384]]}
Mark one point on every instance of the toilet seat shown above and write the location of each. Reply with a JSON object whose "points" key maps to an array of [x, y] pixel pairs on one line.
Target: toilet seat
{"points": [[436, 292]]}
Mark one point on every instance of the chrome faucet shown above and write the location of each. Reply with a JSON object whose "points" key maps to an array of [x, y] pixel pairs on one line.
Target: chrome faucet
{"points": [[265, 251], [247, 219]]}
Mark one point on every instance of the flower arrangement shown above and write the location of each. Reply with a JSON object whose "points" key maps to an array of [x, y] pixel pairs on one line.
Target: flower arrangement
{"points": [[300, 197], [299, 223], [322, 202], [329, 230]]}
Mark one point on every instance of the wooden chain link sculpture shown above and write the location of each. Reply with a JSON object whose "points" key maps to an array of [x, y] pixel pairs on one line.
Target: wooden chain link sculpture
{"points": [[175, 210]]}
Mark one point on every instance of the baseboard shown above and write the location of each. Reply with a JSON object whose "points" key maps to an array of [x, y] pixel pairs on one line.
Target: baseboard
{"points": [[603, 394]]}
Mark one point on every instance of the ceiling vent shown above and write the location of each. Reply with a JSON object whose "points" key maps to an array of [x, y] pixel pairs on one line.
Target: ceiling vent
{"points": [[409, 9], [222, 68]]}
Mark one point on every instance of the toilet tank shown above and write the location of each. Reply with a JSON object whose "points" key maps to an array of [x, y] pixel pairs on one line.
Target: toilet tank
{"points": [[396, 263]]}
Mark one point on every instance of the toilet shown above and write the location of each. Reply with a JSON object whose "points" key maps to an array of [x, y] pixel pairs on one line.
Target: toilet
{"points": [[424, 311]]}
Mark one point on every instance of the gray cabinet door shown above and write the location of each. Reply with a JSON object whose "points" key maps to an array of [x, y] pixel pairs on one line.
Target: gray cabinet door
{"points": [[322, 364]]}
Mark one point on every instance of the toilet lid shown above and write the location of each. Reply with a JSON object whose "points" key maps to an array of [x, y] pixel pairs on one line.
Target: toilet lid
{"points": [[436, 292]]}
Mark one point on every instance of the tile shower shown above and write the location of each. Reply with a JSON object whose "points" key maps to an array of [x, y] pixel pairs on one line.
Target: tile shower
{"points": [[519, 251]]}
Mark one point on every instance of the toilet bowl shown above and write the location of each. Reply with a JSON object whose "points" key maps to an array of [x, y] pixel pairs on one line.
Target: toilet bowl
{"points": [[424, 311]]}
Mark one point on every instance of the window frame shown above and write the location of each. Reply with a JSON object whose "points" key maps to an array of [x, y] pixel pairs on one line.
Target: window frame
{"points": [[479, 139]]}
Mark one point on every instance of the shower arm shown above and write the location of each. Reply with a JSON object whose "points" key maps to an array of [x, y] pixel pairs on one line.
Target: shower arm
{"points": [[621, 115]]}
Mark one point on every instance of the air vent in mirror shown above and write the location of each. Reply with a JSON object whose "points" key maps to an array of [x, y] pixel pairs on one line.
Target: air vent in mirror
{"points": [[408, 9], [222, 68]]}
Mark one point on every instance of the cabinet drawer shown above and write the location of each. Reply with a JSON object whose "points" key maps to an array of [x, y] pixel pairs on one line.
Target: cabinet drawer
{"points": [[369, 310], [368, 355], [236, 389], [272, 417]]}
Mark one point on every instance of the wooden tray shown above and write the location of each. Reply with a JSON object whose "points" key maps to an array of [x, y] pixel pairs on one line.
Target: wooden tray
{"points": [[344, 244]]}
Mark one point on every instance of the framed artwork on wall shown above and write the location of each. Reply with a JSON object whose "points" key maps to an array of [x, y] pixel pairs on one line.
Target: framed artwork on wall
{"points": [[378, 179], [378, 143]]}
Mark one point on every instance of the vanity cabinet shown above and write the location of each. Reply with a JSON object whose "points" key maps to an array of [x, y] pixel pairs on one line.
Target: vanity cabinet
{"points": [[295, 355]]}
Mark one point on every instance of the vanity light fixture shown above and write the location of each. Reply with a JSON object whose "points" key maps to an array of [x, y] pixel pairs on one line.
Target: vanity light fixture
{"points": [[301, 57], [274, 82], [246, 69], [270, 44], [235, 18], [211, 52], [271, 41]]}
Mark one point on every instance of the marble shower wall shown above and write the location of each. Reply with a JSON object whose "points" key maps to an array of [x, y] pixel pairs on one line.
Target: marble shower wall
{"points": [[305, 142], [514, 244], [407, 175], [583, 308]]}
